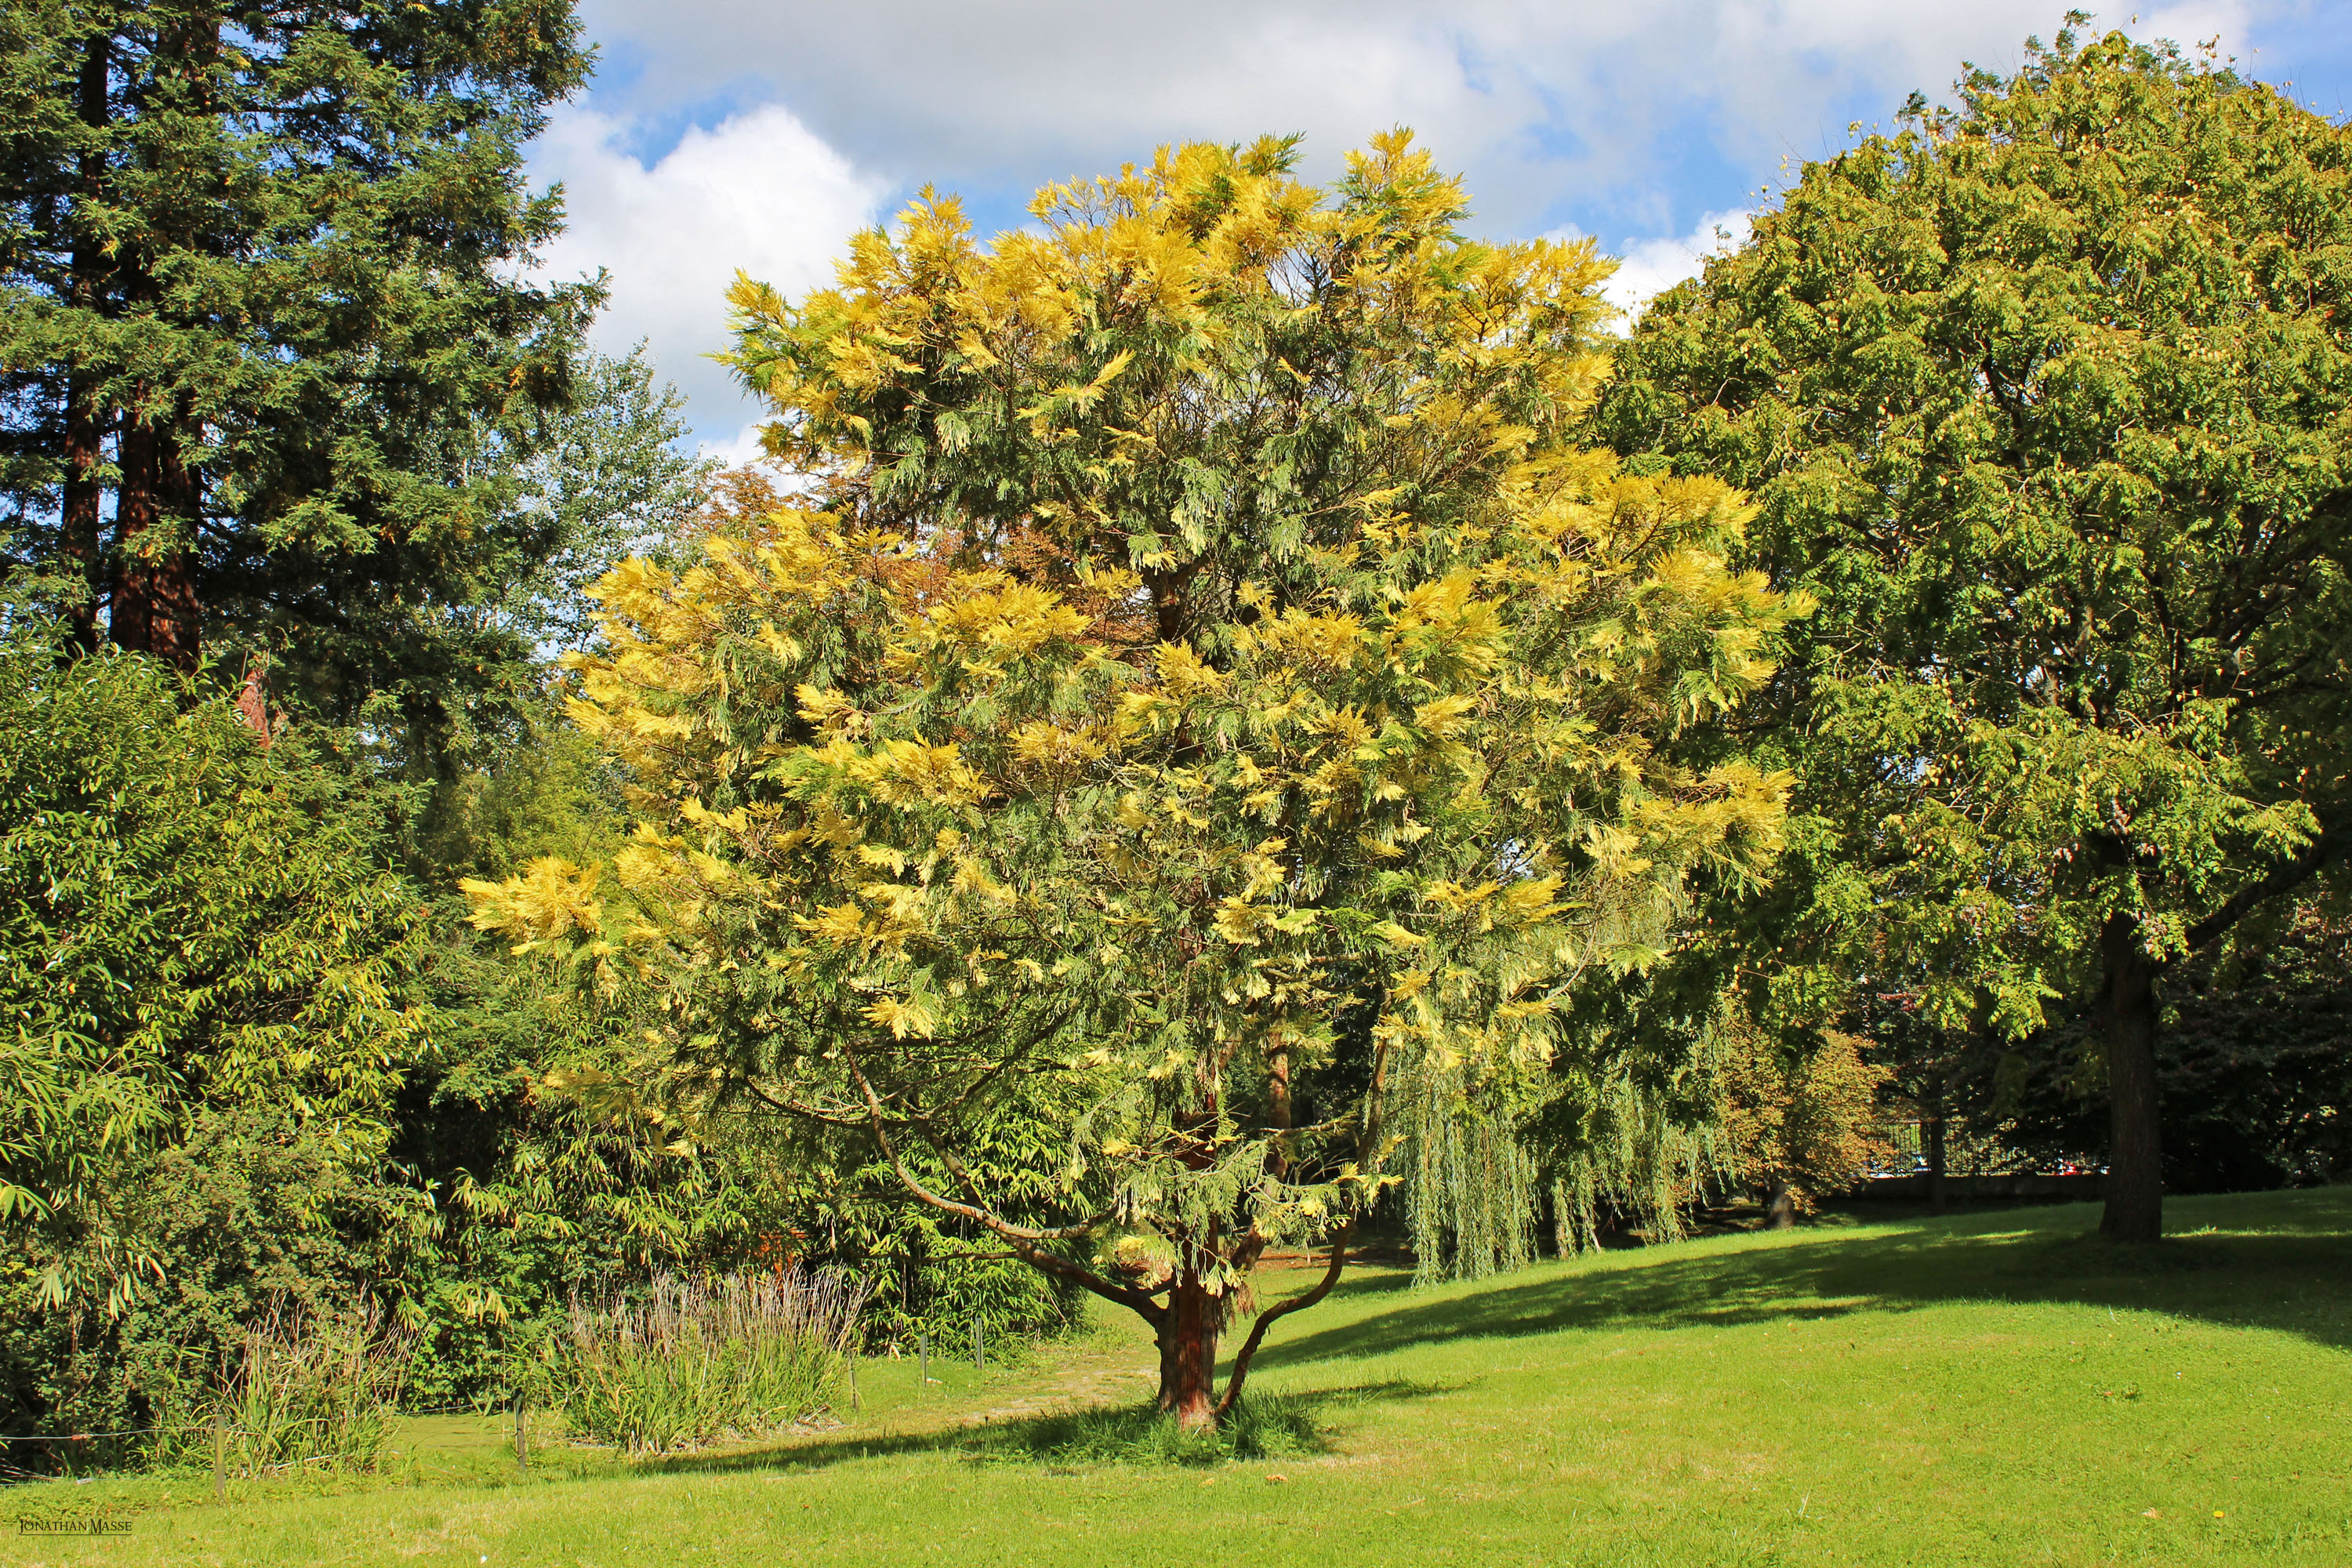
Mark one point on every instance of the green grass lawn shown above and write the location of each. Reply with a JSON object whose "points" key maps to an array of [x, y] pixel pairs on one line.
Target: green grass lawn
{"points": [[1998, 1388]]}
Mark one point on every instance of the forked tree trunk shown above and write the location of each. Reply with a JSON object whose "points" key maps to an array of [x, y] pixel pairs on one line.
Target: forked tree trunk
{"points": [[1189, 1323], [2135, 1186]]}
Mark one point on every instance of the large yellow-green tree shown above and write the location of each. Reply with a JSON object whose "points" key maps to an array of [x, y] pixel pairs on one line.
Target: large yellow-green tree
{"points": [[1203, 677]]}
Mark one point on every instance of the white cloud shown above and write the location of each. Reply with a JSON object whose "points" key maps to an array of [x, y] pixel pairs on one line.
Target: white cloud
{"points": [[1648, 268], [737, 450], [1625, 117], [1542, 100], [760, 193]]}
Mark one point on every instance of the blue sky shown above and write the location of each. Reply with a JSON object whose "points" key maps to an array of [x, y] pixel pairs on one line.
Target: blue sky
{"points": [[757, 134]]}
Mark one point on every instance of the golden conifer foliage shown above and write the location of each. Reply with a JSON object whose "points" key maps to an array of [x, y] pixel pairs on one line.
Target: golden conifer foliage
{"points": [[1200, 630]]}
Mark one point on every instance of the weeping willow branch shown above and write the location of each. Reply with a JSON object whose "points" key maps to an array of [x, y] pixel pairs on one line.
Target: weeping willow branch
{"points": [[1469, 1179]]}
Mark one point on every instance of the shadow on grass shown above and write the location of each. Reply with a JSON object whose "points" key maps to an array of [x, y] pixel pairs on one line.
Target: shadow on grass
{"points": [[1270, 1427], [2271, 1260]]}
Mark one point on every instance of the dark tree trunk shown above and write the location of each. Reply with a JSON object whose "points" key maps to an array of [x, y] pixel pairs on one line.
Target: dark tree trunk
{"points": [[136, 514], [155, 609], [80, 520], [2134, 1188], [1931, 1131], [1780, 1207], [179, 608], [1163, 1335]]}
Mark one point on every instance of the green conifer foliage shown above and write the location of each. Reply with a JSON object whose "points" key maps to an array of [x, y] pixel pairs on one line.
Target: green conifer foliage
{"points": [[260, 320], [1199, 631]]}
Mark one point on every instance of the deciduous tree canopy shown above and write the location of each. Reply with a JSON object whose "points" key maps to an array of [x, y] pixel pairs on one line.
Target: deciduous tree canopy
{"points": [[2046, 401]]}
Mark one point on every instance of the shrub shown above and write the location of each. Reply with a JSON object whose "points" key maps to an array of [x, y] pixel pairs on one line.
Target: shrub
{"points": [[190, 920], [259, 1219]]}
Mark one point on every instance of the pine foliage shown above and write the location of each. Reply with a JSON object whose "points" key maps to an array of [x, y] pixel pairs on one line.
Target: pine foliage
{"points": [[263, 329]]}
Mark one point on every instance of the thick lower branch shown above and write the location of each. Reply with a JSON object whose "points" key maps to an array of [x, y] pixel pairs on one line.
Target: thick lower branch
{"points": [[1025, 1239], [2280, 880], [1139, 1303], [1274, 1314]]}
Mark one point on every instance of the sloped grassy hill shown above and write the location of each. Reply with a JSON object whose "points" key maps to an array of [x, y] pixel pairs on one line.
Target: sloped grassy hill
{"points": [[2000, 1388]]}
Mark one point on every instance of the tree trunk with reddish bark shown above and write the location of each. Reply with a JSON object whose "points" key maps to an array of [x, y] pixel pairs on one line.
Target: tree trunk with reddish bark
{"points": [[136, 515], [176, 619], [83, 454], [155, 606], [253, 703], [1188, 1360]]}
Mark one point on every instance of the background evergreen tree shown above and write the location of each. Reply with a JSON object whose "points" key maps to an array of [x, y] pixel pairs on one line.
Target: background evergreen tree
{"points": [[262, 334]]}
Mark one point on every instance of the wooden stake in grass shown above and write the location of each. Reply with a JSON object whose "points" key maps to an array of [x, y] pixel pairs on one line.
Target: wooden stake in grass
{"points": [[854, 1406], [523, 1448], [220, 1455], [923, 1351], [978, 1352]]}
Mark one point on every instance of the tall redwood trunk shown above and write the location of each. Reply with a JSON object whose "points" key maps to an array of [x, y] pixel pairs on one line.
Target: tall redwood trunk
{"points": [[2135, 1186], [155, 605], [82, 457], [1188, 1350], [157, 609], [178, 609]]}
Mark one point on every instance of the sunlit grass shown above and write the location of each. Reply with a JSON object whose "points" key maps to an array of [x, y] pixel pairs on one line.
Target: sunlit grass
{"points": [[2000, 1388]]}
